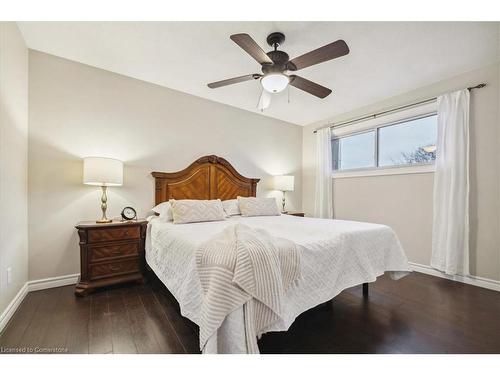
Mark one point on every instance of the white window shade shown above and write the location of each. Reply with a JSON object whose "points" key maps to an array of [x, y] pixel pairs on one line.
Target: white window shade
{"points": [[284, 183], [102, 171]]}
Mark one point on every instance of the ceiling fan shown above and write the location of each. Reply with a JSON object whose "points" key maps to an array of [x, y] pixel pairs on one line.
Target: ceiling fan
{"points": [[276, 66]]}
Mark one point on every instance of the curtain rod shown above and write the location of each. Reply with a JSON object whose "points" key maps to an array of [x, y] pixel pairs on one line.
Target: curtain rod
{"points": [[375, 115]]}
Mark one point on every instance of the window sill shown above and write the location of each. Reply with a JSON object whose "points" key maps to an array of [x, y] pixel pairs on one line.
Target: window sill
{"points": [[426, 168]]}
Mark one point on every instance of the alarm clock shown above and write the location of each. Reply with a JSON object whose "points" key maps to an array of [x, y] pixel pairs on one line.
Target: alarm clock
{"points": [[128, 213]]}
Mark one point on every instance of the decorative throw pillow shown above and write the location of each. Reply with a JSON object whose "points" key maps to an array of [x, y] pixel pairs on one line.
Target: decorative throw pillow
{"points": [[231, 207], [164, 209], [252, 206], [193, 211]]}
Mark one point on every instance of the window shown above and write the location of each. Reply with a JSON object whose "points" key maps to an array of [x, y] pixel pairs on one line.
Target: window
{"points": [[354, 151], [408, 142]]}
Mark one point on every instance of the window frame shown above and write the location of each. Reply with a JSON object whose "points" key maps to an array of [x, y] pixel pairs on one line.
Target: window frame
{"points": [[375, 124]]}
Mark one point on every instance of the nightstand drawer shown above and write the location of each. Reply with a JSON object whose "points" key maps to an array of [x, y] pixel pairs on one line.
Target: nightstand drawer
{"points": [[113, 234], [101, 270], [97, 253]]}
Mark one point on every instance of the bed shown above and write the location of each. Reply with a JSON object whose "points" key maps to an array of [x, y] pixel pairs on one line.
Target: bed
{"points": [[335, 254]]}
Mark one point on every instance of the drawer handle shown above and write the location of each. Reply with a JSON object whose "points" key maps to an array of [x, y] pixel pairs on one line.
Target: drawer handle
{"points": [[116, 252], [114, 268]]}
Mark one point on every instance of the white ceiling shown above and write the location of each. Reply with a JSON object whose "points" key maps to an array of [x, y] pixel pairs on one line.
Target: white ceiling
{"points": [[386, 58]]}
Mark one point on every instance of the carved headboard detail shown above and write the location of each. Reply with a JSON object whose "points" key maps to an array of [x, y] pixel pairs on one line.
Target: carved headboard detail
{"points": [[209, 177]]}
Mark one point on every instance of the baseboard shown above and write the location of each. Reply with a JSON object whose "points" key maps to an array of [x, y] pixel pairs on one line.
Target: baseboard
{"points": [[31, 286], [479, 281], [12, 307], [52, 282]]}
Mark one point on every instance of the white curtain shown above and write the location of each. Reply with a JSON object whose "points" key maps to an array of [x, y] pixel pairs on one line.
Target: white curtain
{"points": [[450, 231], [323, 199]]}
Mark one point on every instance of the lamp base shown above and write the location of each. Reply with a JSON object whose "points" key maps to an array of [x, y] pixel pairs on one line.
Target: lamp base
{"points": [[104, 221], [104, 206]]}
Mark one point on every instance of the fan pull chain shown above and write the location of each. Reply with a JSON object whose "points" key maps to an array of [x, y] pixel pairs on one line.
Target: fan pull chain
{"points": [[288, 92]]}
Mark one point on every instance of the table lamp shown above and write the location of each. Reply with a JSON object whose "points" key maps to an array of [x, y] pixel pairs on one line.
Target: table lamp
{"points": [[102, 172], [283, 183]]}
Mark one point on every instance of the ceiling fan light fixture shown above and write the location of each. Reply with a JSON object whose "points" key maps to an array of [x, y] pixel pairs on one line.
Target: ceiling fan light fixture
{"points": [[274, 82]]}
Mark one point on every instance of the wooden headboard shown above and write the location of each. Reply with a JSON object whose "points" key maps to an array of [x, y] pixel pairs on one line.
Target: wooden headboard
{"points": [[209, 177]]}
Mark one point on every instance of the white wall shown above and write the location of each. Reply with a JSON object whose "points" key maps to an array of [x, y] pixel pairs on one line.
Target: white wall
{"points": [[405, 201], [13, 161], [77, 110]]}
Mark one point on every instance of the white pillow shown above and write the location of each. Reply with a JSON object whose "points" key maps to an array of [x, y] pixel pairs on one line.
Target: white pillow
{"points": [[231, 207], [252, 206], [193, 211], [164, 209]]}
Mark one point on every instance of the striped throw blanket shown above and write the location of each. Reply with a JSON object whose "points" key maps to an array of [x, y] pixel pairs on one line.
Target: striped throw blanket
{"points": [[242, 266]]}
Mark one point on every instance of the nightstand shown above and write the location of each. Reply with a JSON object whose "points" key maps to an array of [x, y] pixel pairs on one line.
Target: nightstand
{"points": [[110, 253], [301, 214]]}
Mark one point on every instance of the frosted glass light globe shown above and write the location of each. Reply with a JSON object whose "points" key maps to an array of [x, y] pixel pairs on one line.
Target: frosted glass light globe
{"points": [[275, 82]]}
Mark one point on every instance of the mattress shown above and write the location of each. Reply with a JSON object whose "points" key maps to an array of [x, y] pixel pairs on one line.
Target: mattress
{"points": [[335, 255]]}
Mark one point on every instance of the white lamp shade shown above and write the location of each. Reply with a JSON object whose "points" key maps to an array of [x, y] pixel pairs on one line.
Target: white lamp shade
{"points": [[284, 183], [275, 82], [102, 171]]}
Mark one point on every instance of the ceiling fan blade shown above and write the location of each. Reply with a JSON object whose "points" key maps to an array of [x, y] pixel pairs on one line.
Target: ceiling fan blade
{"points": [[322, 54], [251, 47], [234, 80], [309, 86], [264, 100]]}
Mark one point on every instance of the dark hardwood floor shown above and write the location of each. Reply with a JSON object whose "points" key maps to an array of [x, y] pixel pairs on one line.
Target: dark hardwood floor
{"points": [[418, 314]]}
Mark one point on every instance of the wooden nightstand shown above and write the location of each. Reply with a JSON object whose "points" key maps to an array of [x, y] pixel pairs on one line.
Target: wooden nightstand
{"points": [[110, 254], [301, 214]]}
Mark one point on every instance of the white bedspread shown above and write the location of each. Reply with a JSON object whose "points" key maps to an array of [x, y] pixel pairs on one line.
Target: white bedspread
{"points": [[335, 255]]}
